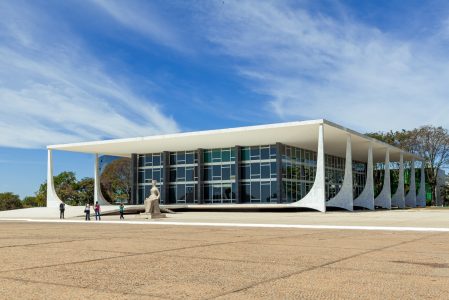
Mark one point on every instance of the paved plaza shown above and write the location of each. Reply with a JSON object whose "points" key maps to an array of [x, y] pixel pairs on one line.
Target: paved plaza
{"points": [[43, 260]]}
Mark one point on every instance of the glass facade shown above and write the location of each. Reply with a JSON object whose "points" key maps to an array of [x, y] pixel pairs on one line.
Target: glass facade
{"points": [[257, 169], [150, 166], [298, 173], [219, 176]]}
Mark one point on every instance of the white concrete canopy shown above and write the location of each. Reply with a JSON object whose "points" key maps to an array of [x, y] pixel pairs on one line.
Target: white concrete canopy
{"points": [[299, 134]]}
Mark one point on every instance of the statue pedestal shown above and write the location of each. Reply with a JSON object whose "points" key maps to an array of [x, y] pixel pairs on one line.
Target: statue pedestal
{"points": [[152, 216]]}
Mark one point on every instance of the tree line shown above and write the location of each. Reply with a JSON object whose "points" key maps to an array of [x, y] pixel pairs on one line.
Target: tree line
{"points": [[115, 185]]}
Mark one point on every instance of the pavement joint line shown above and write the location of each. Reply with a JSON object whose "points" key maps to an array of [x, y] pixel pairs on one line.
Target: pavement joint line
{"points": [[245, 225], [244, 288], [79, 286], [384, 272], [47, 243], [131, 254]]}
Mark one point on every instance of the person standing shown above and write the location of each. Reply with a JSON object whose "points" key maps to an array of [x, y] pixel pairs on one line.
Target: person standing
{"points": [[122, 210], [61, 210], [87, 211], [97, 212]]}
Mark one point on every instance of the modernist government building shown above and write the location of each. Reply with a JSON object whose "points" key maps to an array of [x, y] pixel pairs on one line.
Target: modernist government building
{"points": [[310, 164]]}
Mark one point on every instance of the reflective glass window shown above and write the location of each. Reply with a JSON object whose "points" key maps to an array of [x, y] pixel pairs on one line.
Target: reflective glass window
{"points": [[172, 158], [216, 172], [265, 170], [207, 156], [156, 160], [255, 152], [180, 157], [265, 192], [255, 191], [226, 155], [255, 170], [180, 174], [190, 196], [180, 192], [265, 153], [216, 155], [190, 158], [245, 154], [226, 173], [189, 174]]}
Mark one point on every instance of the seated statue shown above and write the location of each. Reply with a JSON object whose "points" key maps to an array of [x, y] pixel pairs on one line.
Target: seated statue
{"points": [[152, 201]]}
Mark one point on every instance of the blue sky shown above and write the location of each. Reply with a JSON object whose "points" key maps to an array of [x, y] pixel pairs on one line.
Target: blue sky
{"points": [[87, 70]]}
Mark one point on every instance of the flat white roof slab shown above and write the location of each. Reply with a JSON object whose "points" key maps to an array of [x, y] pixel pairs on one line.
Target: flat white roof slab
{"points": [[302, 134]]}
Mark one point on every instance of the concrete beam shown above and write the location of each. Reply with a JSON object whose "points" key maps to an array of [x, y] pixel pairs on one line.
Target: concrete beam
{"points": [[410, 198], [398, 198], [316, 198], [384, 198], [344, 198], [366, 198], [52, 198], [98, 196], [421, 198]]}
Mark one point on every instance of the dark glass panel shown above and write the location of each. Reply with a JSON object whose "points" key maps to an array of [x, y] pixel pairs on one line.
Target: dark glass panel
{"points": [[181, 157], [255, 152], [265, 153], [233, 190], [265, 192], [181, 174], [207, 155], [265, 171], [217, 192], [225, 155], [255, 191], [216, 155], [180, 192], [190, 158], [245, 154], [172, 158], [156, 160], [208, 173], [274, 191], [255, 170], [141, 160], [157, 175], [226, 173], [207, 195], [148, 175], [216, 172], [189, 174], [273, 151], [172, 174], [233, 170]]}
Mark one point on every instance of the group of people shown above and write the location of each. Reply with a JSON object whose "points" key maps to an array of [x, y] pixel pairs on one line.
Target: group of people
{"points": [[97, 210]]}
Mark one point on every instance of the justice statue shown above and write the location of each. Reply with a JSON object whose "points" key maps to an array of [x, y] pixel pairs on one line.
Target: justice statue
{"points": [[152, 202]]}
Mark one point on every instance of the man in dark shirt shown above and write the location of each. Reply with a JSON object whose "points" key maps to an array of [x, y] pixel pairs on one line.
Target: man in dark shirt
{"points": [[61, 210]]}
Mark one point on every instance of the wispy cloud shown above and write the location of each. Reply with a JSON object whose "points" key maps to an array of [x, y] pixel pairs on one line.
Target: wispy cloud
{"points": [[311, 65], [143, 18], [53, 90]]}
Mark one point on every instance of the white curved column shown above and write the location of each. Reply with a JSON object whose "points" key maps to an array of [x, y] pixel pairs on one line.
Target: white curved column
{"points": [[52, 198], [421, 198], [384, 198], [98, 196], [410, 199], [398, 198], [316, 198], [344, 198], [366, 198]]}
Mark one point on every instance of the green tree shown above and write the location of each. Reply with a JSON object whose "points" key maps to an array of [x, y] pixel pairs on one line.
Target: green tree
{"points": [[31, 201], [68, 189], [9, 201], [116, 180]]}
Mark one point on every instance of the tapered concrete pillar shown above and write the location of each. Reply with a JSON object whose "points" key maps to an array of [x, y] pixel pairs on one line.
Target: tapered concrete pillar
{"points": [[344, 198], [98, 196], [410, 199], [366, 198], [398, 198], [384, 198], [316, 198], [421, 198], [52, 198]]}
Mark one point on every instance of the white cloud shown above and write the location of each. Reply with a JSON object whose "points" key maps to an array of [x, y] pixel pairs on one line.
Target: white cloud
{"points": [[52, 90], [314, 66], [142, 18]]}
